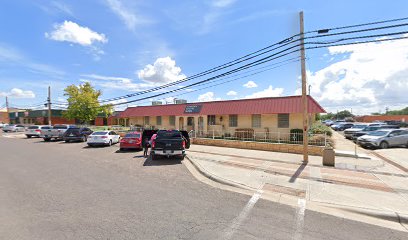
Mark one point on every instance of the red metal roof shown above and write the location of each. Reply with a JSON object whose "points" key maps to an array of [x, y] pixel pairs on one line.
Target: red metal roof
{"points": [[271, 105]]}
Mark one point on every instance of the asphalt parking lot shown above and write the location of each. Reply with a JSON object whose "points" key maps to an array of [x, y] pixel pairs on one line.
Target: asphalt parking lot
{"points": [[58, 190]]}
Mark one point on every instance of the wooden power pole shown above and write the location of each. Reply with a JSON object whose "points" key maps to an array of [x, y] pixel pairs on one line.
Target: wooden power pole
{"points": [[7, 111], [304, 94], [49, 105]]}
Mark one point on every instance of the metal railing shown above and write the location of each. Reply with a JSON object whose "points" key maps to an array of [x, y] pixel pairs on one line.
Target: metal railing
{"points": [[265, 136]]}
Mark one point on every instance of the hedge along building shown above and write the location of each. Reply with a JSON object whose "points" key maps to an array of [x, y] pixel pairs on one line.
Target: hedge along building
{"points": [[273, 114]]}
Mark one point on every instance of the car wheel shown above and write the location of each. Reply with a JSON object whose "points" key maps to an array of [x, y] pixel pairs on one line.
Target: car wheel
{"points": [[152, 156], [383, 145], [83, 139], [67, 141], [47, 139], [182, 157], [28, 136], [110, 142]]}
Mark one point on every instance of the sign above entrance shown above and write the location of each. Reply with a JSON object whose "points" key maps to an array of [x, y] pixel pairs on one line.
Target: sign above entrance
{"points": [[193, 109]]}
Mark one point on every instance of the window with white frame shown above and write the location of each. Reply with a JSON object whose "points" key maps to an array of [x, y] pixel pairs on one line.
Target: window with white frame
{"points": [[233, 120], [283, 120], [211, 119], [172, 120], [159, 120], [256, 121]]}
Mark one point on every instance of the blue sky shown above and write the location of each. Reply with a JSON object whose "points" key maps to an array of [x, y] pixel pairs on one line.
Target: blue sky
{"points": [[124, 46]]}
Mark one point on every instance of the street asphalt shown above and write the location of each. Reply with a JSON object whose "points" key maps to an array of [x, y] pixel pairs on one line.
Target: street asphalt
{"points": [[57, 190]]}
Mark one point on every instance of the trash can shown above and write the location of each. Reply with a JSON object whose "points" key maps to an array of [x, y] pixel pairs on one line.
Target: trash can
{"points": [[328, 156]]}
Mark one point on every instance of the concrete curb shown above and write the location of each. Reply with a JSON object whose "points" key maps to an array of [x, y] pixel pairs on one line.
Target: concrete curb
{"points": [[216, 178], [351, 154]]}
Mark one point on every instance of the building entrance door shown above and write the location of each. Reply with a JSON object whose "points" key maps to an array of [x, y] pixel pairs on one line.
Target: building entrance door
{"points": [[190, 124], [200, 126], [181, 123]]}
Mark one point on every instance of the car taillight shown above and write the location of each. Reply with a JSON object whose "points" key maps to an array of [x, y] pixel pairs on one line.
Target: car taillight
{"points": [[184, 144], [104, 137], [122, 140], [38, 130], [153, 144]]}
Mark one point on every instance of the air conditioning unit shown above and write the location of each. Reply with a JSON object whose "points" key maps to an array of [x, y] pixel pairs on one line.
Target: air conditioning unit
{"points": [[180, 101], [154, 103]]}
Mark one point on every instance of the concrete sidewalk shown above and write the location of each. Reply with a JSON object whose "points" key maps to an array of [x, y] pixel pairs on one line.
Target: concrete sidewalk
{"points": [[367, 190]]}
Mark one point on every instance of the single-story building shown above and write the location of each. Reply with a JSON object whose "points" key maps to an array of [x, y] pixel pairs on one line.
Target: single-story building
{"points": [[39, 117], [272, 114], [372, 118]]}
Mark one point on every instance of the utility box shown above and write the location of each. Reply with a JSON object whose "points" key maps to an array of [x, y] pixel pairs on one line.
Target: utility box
{"points": [[328, 157]]}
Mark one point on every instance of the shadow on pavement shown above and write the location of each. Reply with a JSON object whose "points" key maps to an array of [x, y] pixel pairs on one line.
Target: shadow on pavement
{"points": [[297, 173], [128, 151], [161, 161]]}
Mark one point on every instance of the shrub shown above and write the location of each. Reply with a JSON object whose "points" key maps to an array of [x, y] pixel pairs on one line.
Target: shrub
{"points": [[319, 128]]}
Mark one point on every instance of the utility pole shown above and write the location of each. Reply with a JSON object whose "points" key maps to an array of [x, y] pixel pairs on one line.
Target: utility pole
{"points": [[304, 96], [7, 110], [49, 105]]}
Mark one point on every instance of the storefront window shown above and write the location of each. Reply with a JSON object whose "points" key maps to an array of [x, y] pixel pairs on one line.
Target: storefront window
{"points": [[159, 120], [146, 120], [211, 119], [233, 120]]}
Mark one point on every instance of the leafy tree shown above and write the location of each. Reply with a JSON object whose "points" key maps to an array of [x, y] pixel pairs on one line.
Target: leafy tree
{"points": [[344, 114], [83, 103], [398, 112]]}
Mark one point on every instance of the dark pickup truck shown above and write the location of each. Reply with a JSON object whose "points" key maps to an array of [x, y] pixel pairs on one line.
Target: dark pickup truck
{"points": [[170, 143]]}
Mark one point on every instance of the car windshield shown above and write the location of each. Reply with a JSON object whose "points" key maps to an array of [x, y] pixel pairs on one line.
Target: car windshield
{"points": [[168, 134], [359, 126], [132, 135], [60, 127], [33, 127], [70, 130], [99, 133], [378, 133], [46, 127]]}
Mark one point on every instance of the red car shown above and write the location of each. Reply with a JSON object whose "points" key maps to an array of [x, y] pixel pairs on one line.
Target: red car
{"points": [[132, 140]]}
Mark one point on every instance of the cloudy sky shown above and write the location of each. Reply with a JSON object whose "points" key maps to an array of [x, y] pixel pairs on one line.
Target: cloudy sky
{"points": [[127, 46]]}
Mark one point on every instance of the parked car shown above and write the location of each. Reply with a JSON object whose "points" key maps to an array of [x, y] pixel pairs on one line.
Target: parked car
{"points": [[14, 128], [2, 125], [348, 133], [170, 143], [35, 131], [364, 131], [76, 134], [131, 140], [103, 138], [56, 132], [328, 122], [384, 138], [342, 126]]}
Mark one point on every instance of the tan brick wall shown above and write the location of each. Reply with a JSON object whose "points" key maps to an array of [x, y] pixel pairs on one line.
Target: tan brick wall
{"points": [[274, 147]]}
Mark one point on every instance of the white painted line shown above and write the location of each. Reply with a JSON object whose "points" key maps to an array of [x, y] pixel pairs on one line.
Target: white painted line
{"points": [[300, 219], [242, 216]]}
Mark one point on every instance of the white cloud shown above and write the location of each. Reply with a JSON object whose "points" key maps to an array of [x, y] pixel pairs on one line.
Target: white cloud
{"points": [[269, 92], [12, 56], [130, 19], [164, 70], [18, 93], [72, 32], [250, 84], [222, 3], [232, 93], [207, 97], [372, 76], [62, 7]]}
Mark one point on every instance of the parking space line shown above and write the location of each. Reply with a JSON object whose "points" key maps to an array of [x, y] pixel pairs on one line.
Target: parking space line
{"points": [[300, 219]]}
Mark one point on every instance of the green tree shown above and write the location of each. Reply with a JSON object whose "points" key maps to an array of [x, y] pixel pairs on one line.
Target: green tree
{"points": [[344, 114], [398, 112], [83, 103]]}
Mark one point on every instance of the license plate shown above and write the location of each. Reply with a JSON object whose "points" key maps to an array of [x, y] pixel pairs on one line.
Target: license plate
{"points": [[131, 141], [71, 135], [168, 151]]}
